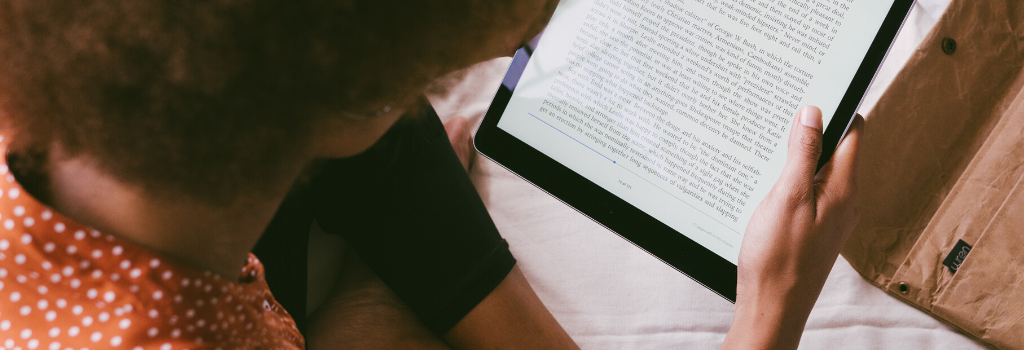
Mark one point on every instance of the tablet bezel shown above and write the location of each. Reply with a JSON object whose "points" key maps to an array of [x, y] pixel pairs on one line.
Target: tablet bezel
{"points": [[647, 233]]}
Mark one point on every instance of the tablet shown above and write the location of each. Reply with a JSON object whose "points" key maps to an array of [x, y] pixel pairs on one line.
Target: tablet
{"points": [[666, 121]]}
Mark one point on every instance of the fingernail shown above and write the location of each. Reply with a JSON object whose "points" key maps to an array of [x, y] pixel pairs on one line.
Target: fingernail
{"points": [[810, 117]]}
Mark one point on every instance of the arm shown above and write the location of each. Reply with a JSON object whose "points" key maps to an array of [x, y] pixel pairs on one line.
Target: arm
{"points": [[511, 317], [794, 238], [363, 313]]}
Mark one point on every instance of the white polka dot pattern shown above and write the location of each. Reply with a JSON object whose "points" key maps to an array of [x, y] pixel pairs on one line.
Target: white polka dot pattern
{"points": [[66, 286]]}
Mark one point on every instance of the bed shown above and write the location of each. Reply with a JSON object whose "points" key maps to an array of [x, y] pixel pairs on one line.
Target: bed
{"points": [[608, 294]]}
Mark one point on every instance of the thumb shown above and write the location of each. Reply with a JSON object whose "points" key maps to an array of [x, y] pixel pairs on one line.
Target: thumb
{"points": [[804, 148]]}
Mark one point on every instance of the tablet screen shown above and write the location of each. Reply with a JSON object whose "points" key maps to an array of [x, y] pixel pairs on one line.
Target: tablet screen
{"points": [[683, 107]]}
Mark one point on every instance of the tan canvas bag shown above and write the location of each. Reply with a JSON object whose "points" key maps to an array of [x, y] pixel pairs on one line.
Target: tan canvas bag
{"points": [[943, 161]]}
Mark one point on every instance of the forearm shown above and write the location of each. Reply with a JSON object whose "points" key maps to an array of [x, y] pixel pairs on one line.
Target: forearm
{"points": [[363, 313], [510, 317], [769, 320], [369, 321]]}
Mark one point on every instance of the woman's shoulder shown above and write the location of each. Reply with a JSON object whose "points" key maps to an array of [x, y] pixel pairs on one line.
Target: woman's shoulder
{"points": [[65, 285]]}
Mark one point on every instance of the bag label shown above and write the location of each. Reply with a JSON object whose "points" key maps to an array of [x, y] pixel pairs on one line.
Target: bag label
{"points": [[957, 256]]}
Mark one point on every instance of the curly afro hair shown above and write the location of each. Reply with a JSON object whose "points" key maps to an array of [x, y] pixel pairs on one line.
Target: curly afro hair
{"points": [[207, 98]]}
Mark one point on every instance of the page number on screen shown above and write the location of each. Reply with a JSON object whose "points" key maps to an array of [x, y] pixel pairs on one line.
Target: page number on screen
{"points": [[624, 184]]}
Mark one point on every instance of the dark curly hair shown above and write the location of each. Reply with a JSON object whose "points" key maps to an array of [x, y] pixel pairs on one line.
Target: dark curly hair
{"points": [[205, 98]]}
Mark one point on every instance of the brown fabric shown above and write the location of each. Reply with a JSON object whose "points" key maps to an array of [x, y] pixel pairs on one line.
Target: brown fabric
{"points": [[944, 161]]}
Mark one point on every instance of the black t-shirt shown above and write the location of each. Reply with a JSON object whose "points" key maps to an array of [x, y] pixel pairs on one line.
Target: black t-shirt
{"points": [[408, 208]]}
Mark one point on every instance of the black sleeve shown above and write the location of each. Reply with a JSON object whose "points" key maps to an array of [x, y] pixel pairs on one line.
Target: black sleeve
{"points": [[409, 209]]}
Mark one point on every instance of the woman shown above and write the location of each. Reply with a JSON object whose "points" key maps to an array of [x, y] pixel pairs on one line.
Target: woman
{"points": [[149, 144]]}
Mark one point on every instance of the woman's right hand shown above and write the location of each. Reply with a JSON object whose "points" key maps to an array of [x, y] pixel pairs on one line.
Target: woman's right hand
{"points": [[794, 238]]}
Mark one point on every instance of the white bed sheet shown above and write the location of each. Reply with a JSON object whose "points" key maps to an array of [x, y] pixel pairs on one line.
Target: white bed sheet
{"points": [[608, 294]]}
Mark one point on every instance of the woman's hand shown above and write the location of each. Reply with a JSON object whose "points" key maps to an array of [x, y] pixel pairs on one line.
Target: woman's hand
{"points": [[794, 238]]}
